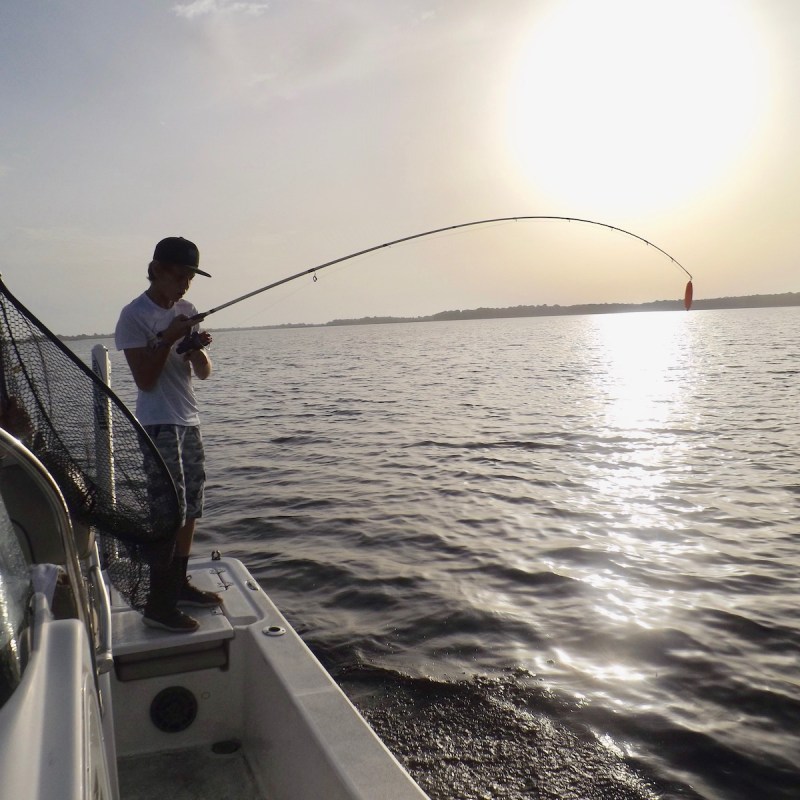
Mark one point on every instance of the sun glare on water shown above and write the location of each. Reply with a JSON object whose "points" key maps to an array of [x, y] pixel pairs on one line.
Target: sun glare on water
{"points": [[637, 104], [639, 359]]}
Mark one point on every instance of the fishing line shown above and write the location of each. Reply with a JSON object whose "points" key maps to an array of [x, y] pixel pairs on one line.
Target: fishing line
{"points": [[687, 300], [279, 298]]}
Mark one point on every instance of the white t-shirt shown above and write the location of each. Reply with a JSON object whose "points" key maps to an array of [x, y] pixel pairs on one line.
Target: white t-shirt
{"points": [[171, 401]]}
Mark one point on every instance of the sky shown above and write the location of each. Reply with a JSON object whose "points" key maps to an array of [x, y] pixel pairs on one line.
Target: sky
{"points": [[283, 134]]}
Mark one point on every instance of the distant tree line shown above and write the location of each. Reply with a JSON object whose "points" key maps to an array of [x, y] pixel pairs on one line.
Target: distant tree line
{"points": [[749, 301]]}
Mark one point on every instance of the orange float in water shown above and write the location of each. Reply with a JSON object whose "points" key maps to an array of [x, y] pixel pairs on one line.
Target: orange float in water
{"points": [[687, 298]]}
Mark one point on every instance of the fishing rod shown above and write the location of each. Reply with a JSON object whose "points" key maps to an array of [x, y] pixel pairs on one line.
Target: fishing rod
{"points": [[314, 270]]}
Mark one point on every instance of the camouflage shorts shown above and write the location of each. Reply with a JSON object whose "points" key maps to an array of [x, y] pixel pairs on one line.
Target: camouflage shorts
{"points": [[181, 447]]}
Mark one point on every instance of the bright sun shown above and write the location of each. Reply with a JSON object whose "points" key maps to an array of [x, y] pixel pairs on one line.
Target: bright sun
{"points": [[636, 104]]}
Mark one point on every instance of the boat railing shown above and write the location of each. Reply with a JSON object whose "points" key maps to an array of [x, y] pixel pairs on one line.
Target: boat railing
{"points": [[46, 535]]}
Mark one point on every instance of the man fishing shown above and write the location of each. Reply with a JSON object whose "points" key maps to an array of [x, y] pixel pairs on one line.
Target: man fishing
{"points": [[165, 350]]}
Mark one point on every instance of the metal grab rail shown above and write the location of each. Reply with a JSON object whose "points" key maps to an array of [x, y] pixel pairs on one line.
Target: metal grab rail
{"points": [[13, 451], [104, 656]]}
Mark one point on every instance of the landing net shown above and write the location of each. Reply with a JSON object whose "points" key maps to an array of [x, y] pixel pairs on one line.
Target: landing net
{"points": [[93, 446]]}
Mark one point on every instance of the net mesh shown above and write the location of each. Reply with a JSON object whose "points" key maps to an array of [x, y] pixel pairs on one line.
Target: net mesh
{"points": [[97, 452]]}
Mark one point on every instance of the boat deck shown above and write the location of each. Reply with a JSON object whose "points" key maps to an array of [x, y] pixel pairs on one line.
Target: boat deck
{"points": [[196, 774], [183, 703]]}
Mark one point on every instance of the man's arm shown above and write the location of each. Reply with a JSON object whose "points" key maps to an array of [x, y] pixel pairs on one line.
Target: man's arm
{"points": [[201, 363], [147, 363], [198, 357]]}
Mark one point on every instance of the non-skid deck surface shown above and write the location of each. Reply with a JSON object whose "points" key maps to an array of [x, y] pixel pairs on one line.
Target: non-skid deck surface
{"points": [[197, 774]]}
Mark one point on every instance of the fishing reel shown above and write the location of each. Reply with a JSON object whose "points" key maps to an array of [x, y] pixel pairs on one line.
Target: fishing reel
{"points": [[189, 342]]}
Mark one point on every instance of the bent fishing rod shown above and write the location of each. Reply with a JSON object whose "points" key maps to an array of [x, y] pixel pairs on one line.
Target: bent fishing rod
{"points": [[314, 270]]}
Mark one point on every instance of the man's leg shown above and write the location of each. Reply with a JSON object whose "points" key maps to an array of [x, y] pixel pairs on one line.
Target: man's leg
{"points": [[194, 480], [166, 573], [183, 542], [188, 594]]}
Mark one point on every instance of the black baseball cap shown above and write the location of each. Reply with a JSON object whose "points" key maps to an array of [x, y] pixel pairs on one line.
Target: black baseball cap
{"points": [[177, 250]]}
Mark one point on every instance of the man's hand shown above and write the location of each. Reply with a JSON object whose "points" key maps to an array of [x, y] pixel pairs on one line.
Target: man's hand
{"points": [[198, 358], [194, 341], [176, 330]]}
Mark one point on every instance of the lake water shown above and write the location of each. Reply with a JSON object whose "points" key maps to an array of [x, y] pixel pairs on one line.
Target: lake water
{"points": [[547, 557]]}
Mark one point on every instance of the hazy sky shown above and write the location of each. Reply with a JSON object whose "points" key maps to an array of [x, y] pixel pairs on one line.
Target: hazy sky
{"points": [[282, 134]]}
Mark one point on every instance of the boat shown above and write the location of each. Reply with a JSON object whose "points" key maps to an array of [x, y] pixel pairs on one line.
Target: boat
{"points": [[94, 704]]}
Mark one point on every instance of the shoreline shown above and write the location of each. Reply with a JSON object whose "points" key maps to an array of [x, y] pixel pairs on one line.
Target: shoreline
{"points": [[719, 303]]}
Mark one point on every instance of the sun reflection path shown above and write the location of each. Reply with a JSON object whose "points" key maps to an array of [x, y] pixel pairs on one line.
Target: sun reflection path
{"points": [[636, 546], [640, 358]]}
